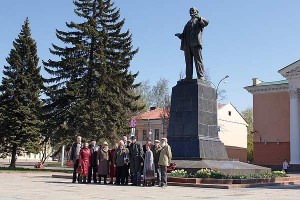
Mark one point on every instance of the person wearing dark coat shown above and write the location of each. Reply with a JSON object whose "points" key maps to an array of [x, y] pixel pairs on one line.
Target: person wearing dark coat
{"points": [[75, 149], [103, 162], [112, 168], [93, 162], [136, 160], [127, 164], [156, 148], [119, 161]]}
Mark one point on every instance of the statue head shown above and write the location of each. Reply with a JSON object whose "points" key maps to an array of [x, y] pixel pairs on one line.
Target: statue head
{"points": [[194, 12]]}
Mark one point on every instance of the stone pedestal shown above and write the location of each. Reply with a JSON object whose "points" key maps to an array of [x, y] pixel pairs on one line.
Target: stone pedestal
{"points": [[193, 132]]}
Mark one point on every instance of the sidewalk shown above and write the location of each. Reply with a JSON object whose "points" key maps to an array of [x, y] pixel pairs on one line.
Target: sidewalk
{"points": [[41, 186], [30, 165]]}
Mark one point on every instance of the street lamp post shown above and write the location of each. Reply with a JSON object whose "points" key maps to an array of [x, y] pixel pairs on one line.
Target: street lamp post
{"points": [[217, 88], [150, 130]]}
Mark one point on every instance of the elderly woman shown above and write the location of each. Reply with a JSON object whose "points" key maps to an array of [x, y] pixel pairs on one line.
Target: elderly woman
{"points": [[84, 162], [103, 162], [120, 159], [149, 167]]}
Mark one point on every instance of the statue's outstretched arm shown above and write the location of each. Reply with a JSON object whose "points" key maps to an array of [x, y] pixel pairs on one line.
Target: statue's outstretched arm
{"points": [[179, 35]]}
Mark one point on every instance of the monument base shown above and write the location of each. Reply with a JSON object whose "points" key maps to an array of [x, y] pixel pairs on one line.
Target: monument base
{"points": [[193, 130], [227, 167], [197, 148]]}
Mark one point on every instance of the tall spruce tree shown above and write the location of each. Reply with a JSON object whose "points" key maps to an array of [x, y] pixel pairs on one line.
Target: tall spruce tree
{"points": [[90, 89], [20, 105]]}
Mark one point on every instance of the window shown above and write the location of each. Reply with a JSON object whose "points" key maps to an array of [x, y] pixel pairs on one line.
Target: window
{"points": [[137, 134], [144, 135], [229, 113], [156, 135]]}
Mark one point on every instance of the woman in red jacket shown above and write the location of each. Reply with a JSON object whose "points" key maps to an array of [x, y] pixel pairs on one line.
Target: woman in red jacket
{"points": [[84, 162]]}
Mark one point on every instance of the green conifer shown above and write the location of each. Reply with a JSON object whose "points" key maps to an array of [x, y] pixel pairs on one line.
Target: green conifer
{"points": [[20, 106], [90, 89]]}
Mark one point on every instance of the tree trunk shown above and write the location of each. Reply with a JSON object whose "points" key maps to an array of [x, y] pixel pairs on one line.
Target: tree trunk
{"points": [[13, 157]]}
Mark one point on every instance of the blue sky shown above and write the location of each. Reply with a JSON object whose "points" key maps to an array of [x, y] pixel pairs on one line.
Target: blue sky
{"points": [[244, 39]]}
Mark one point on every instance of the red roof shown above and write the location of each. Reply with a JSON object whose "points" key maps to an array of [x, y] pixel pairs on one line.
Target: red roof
{"points": [[152, 114], [157, 113], [221, 105]]}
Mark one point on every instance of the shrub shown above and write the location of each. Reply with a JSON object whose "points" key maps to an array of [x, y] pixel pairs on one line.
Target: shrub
{"points": [[180, 173], [203, 173], [208, 173], [238, 176], [217, 174], [279, 174]]}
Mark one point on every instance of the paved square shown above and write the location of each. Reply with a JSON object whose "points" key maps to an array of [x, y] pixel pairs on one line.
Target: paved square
{"points": [[42, 186]]}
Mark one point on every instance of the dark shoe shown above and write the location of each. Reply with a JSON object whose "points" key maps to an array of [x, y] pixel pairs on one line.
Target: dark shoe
{"points": [[110, 183], [73, 181], [105, 183]]}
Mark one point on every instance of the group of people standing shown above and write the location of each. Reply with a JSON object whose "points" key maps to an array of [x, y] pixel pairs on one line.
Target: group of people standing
{"points": [[126, 159]]}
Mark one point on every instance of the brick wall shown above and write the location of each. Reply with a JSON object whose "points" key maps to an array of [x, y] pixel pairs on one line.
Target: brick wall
{"points": [[270, 153], [237, 153]]}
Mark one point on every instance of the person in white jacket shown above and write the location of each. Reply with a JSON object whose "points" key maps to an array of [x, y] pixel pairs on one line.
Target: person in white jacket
{"points": [[285, 166]]}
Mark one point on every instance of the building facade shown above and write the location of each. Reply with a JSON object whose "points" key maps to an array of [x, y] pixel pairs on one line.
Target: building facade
{"points": [[276, 118], [233, 132]]}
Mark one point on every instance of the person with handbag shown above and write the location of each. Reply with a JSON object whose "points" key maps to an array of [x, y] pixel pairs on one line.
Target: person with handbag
{"points": [[149, 167], [84, 163]]}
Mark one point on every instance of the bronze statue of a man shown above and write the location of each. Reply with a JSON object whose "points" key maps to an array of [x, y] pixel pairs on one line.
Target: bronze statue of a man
{"points": [[191, 44]]}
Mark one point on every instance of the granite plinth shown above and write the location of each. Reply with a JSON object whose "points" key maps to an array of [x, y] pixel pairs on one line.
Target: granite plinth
{"points": [[193, 131], [225, 166]]}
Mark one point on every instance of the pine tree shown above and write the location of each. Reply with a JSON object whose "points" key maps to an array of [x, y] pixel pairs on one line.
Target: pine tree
{"points": [[90, 89], [20, 105]]}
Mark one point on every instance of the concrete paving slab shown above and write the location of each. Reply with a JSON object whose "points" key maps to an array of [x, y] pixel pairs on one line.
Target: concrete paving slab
{"points": [[33, 186]]}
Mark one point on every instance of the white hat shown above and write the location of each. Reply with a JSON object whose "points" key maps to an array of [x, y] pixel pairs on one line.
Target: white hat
{"points": [[105, 143]]}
